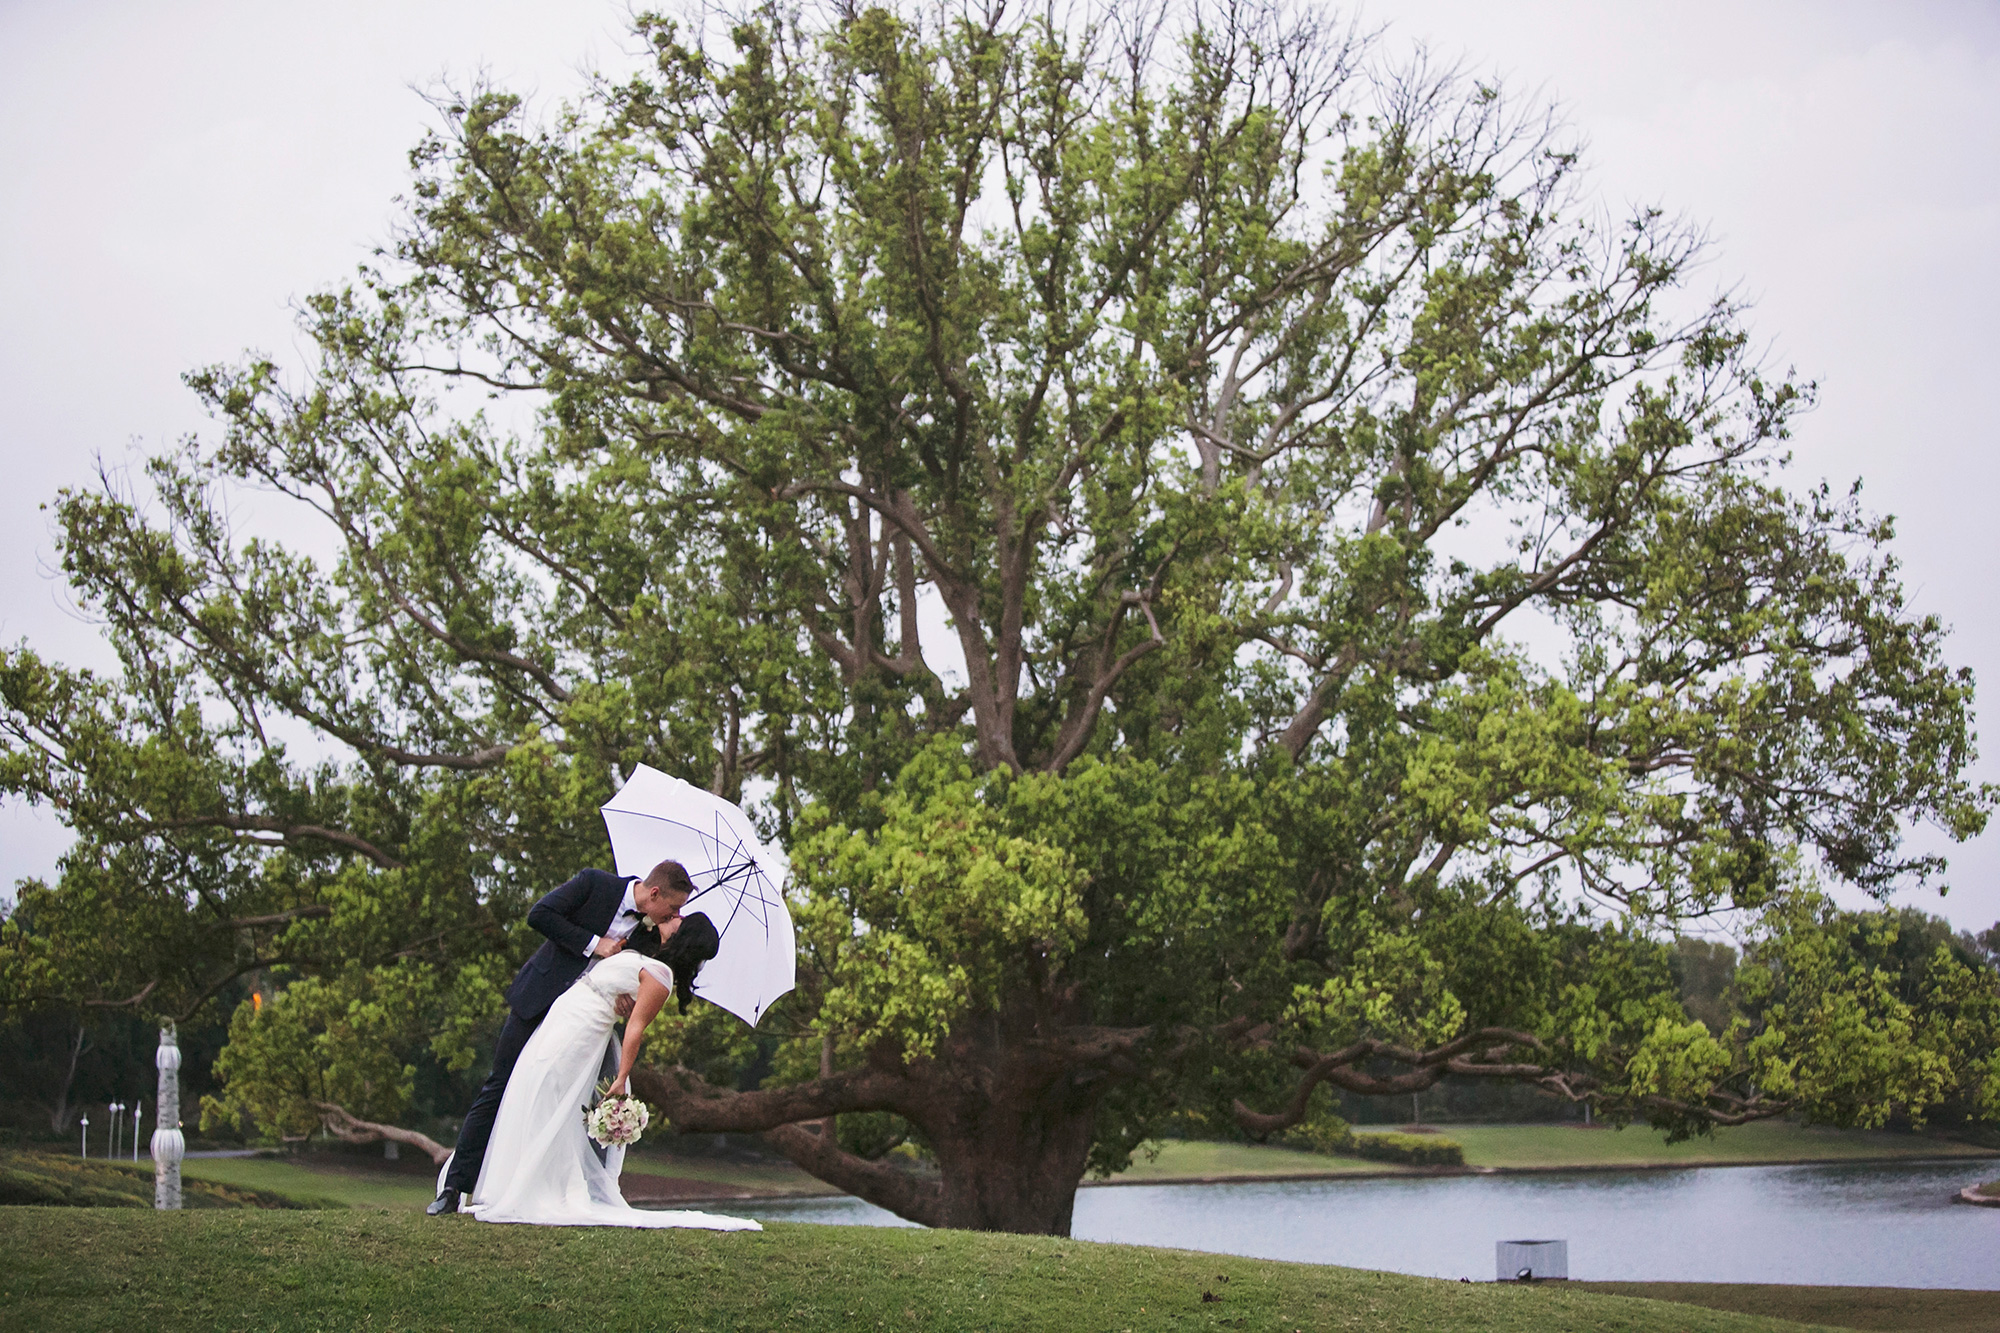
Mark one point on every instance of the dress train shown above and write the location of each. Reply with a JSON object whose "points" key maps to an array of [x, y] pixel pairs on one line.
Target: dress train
{"points": [[540, 1168]]}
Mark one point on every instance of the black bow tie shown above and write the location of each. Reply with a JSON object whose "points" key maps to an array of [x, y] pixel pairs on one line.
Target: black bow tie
{"points": [[631, 911]]}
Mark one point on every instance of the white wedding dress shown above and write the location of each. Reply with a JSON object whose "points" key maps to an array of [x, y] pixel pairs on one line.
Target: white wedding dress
{"points": [[540, 1167]]}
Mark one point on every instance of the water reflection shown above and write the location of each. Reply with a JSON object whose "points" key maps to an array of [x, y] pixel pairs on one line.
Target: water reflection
{"points": [[1862, 1225]]}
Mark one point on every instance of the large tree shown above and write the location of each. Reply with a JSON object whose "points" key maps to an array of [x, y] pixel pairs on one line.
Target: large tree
{"points": [[1372, 613]]}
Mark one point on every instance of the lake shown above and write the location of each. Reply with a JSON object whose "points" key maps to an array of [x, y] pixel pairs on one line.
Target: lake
{"points": [[1858, 1225]]}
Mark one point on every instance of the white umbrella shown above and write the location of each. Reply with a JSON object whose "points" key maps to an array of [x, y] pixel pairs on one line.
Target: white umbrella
{"points": [[738, 881]]}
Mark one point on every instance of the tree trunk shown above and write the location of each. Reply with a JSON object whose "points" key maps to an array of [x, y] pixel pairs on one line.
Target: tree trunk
{"points": [[1013, 1163], [59, 1110], [1012, 1137]]}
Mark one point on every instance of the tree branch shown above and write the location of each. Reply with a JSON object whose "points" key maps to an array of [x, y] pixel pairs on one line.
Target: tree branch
{"points": [[697, 1106], [280, 918], [1426, 1068], [287, 833], [348, 1129], [818, 1152], [130, 1003]]}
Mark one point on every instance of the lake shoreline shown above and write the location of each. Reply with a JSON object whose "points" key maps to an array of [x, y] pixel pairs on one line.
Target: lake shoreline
{"points": [[1401, 1173], [662, 1175], [1416, 1172]]}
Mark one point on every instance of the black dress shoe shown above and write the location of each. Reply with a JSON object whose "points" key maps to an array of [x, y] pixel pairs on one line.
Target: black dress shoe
{"points": [[445, 1202]]}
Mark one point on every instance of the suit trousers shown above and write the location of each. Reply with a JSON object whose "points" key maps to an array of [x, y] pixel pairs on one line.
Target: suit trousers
{"points": [[478, 1126]]}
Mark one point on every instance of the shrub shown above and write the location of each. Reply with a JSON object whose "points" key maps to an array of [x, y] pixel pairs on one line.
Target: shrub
{"points": [[1321, 1132], [1408, 1149], [1329, 1134]]}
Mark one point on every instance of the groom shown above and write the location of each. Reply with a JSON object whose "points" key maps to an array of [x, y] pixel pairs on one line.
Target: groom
{"points": [[592, 916]]}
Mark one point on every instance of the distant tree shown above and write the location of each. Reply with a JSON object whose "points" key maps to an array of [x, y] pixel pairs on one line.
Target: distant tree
{"points": [[1248, 408], [1864, 1017], [1705, 969], [42, 1051], [331, 1053], [1984, 946]]}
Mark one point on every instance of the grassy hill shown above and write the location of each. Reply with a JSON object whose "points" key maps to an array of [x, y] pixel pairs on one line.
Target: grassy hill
{"points": [[52, 1180], [89, 1269]]}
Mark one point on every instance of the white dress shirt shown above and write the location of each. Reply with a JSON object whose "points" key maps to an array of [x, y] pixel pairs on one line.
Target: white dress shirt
{"points": [[621, 925]]}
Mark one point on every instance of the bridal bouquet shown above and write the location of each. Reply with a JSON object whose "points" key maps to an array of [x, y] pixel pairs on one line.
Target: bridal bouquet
{"points": [[616, 1120]]}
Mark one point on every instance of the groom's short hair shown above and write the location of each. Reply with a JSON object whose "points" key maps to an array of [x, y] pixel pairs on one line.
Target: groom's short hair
{"points": [[671, 876]]}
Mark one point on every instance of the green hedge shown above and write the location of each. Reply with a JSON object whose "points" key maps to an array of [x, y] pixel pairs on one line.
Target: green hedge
{"points": [[1329, 1134], [1408, 1149]]}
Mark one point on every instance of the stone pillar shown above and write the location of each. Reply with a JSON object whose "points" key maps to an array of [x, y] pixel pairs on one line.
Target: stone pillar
{"points": [[168, 1145]]}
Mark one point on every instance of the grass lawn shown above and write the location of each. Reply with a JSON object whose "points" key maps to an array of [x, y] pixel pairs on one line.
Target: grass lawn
{"points": [[1837, 1307], [112, 1270], [351, 1181], [1545, 1147], [316, 1180], [62, 1179], [1188, 1159], [1638, 1145]]}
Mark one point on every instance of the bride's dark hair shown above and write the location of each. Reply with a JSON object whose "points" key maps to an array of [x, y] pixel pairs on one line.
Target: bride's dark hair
{"points": [[691, 946]]}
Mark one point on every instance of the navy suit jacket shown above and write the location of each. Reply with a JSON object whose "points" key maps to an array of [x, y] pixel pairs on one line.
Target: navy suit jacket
{"points": [[569, 916]]}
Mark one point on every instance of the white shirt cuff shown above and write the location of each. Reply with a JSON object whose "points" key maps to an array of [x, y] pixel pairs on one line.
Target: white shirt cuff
{"points": [[590, 949]]}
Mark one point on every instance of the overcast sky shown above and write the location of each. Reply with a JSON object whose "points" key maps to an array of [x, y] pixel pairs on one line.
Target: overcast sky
{"points": [[175, 176]]}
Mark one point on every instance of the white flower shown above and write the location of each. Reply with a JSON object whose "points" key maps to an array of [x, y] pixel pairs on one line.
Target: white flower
{"points": [[617, 1121]]}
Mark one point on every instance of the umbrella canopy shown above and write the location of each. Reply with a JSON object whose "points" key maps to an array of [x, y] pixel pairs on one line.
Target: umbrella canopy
{"points": [[738, 881]]}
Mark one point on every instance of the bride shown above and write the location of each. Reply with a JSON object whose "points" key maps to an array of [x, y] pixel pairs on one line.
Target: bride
{"points": [[540, 1167]]}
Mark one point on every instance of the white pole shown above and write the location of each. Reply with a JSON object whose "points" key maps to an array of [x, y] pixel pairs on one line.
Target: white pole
{"points": [[138, 1114], [168, 1145], [86, 1136], [112, 1129]]}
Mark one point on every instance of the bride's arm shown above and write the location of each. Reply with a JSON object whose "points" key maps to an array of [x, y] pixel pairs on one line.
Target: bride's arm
{"points": [[652, 994]]}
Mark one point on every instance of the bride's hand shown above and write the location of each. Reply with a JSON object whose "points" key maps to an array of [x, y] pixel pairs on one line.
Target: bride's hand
{"points": [[617, 1087]]}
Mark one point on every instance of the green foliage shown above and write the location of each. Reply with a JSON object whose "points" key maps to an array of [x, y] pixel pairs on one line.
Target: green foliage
{"points": [[346, 1039], [1860, 1026], [1320, 1131], [1705, 970], [1324, 1132], [1241, 403], [1408, 1149], [952, 905]]}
